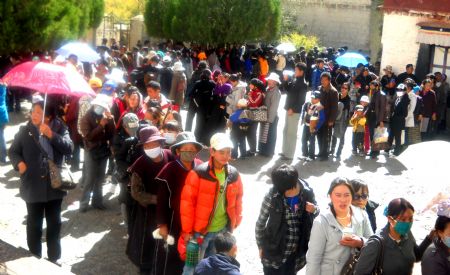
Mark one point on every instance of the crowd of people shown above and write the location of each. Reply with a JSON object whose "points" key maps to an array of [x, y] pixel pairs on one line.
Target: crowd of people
{"points": [[180, 212]]}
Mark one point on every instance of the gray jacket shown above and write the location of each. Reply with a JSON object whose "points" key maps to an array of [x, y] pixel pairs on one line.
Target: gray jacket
{"points": [[398, 259], [272, 100], [325, 255], [237, 93], [35, 182]]}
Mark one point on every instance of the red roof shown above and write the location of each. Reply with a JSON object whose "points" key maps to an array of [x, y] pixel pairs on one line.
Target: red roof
{"points": [[426, 6]]}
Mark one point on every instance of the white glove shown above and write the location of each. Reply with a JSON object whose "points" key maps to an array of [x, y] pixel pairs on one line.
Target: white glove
{"points": [[170, 240]]}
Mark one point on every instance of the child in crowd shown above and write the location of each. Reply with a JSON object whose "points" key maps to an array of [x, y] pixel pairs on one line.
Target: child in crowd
{"points": [[313, 117], [358, 121], [240, 129]]}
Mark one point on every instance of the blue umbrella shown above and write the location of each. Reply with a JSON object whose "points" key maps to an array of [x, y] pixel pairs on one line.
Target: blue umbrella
{"points": [[351, 60], [81, 50]]}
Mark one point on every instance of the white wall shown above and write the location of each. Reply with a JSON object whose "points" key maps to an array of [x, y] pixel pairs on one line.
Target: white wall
{"points": [[399, 41]]}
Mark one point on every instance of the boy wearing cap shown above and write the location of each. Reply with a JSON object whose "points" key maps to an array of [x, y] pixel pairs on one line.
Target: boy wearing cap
{"points": [[358, 121], [211, 200], [313, 117]]}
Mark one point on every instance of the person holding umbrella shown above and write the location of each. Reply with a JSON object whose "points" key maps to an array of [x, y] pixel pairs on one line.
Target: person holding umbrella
{"points": [[43, 137], [97, 129]]}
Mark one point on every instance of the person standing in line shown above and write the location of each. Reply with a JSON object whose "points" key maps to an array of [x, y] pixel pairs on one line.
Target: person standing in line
{"points": [[211, 200], [376, 113], [340, 127], [97, 129], [33, 145], [296, 94], [329, 99], [4, 119], [268, 130]]}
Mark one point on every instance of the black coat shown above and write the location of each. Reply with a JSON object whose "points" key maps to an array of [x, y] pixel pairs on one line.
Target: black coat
{"points": [[35, 182], [400, 112], [435, 260], [296, 94]]}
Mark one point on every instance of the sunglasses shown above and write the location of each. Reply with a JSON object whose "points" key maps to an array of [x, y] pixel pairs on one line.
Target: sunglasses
{"points": [[360, 197]]}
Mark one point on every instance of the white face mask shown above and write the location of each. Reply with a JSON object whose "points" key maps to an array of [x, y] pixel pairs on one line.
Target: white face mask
{"points": [[153, 153], [170, 137], [438, 84]]}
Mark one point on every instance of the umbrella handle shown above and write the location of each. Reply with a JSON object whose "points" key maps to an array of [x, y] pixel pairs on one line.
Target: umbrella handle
{"points": [[43, 111]]}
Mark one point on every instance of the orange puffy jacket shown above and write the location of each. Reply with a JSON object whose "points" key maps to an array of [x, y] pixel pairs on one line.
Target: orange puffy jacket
{"points": [[200, 194]]}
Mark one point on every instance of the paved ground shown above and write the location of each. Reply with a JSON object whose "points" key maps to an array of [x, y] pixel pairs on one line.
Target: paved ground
{"points": [[94, 242]]}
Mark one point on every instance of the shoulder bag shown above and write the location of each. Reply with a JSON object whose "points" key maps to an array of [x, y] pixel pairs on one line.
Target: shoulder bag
{"points": [[349, 266], [60, 177]]}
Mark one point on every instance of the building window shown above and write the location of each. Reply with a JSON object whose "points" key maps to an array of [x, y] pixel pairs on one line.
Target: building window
{"points": [[440, 60]]}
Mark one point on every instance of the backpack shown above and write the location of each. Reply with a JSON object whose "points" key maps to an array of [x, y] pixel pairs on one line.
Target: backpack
{"points": [[418, 110]]}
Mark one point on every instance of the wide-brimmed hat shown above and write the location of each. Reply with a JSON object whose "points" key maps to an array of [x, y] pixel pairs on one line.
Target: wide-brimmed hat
{"points": [[220, 141], [116, 75], [388, 68], [365, 98], [150, 134], [103, 100], [275, 77], [185, 138], [178, 67]]}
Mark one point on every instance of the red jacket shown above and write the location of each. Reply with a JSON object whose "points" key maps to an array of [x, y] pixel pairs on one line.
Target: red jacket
{"points": [[255, 98], [200, 194]]}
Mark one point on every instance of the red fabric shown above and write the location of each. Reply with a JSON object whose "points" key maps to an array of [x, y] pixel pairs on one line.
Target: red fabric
{"points": [[255, 98], [432, 6]]}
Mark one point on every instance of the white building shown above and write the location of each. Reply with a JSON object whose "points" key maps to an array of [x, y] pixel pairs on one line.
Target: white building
{"points": [[416, 32]]}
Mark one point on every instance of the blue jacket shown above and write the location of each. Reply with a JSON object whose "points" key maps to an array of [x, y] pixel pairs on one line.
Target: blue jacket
{"points": [[315, 78], [218, 264], [3, 110]]}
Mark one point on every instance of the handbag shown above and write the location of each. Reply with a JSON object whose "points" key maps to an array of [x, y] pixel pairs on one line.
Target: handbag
{"points": [[60, 177], [380, 139], [259, 114], [349, 266]]}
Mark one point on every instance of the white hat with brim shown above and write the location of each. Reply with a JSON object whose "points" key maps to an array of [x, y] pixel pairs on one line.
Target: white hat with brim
{"points": [[178, 67], [365, 98], [103, 101], [220, 141], [275, 77]]}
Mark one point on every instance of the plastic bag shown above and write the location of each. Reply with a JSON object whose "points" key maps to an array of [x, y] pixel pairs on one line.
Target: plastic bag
{"points": [[381, 135]]}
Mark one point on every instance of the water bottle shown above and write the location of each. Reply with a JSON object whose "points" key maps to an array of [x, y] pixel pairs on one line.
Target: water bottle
{"points": [[192, 250]]}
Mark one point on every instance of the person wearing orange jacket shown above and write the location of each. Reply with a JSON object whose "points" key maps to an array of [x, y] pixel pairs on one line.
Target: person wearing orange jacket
{"points": [[211, 200]]}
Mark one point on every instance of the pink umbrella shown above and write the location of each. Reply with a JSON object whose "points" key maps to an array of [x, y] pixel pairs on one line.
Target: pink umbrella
{"points": [[48, 79]]}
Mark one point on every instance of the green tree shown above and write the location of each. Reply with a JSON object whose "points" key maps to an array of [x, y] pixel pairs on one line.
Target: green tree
{"points": [[45, 24], [214, 21]]}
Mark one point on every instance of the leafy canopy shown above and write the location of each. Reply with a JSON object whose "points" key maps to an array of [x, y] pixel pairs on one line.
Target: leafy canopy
{"points": [[214, 21]]}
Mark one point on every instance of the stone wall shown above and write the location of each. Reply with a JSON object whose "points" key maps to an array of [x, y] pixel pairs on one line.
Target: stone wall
{"points": [[337, 23], [399, 41]]}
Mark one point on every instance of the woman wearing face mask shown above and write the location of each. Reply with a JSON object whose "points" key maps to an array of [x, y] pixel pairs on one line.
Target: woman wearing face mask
{"points": [[172, 178], [400, 250], [337, 232], [436, 258], [142, 249], [169, 131]]}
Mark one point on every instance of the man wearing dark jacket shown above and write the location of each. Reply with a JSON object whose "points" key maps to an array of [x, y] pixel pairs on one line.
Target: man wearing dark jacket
{"points": [[296, 93], [329, 100], [376, 113], [224, 262]]}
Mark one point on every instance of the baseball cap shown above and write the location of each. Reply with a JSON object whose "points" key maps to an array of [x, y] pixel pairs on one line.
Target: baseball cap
{"points": [[220, 141], [130, 121], [315, 94], [359, 108]]}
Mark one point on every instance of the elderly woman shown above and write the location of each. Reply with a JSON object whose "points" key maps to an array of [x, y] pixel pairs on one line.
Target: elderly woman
{"points": [[435, 259], [400, 250], [336, 233], [171, 182], [36, 142], [268, 130], [361, 200]]}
